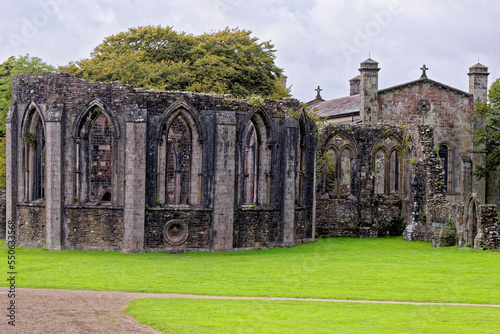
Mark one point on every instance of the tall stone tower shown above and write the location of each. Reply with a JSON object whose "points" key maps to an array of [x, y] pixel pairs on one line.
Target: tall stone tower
{"points": [[478, 87], [368, 90], [478, 82]]}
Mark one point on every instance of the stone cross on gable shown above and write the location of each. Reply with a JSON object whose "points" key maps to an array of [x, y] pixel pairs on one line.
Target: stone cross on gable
{"points": [[424, 68], [318, 95]]}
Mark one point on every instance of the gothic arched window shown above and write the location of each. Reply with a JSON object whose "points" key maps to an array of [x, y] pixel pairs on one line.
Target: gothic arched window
{"points": [[250, 167], [345, 172], [255, 165], [101, 158], [180, 159], [34, 156], [178, 169], [300, 164], [394, 172], [338, 163], [380, 169], [95, 140], [445, 157], [330, 170]]}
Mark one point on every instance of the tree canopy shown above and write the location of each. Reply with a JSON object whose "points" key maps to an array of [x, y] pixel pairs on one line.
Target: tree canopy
{"points": [[14, 66], [228, 61], [488, 136]]}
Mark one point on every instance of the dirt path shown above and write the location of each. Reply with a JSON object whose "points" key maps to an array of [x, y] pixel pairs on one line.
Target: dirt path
{"points": [[41, 311]]}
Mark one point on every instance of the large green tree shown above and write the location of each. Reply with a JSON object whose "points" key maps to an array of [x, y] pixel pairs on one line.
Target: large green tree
{"points": [[14, 66], [229, 61], [488, 136]]}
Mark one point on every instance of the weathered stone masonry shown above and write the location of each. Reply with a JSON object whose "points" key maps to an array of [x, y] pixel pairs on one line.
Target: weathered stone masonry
{"points": [[133, 169], [408, 164]]}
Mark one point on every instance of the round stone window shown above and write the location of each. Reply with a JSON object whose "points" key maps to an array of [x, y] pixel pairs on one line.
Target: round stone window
{"points": [[423, 106], [175, 232]]}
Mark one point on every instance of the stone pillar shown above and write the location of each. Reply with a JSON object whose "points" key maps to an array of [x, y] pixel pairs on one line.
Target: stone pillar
{"points": [[11, 153], [478, 82], [134, 213], [467, 178], [478, 86], [53, 180], [368, 90], [354, 85], [289, 147], [224, 181]]}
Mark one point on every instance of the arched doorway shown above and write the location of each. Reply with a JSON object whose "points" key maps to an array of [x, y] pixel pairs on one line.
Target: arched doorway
{"points": [[471, 221]]}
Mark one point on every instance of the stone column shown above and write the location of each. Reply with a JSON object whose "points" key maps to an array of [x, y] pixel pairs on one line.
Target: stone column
{"points": [[289, 147], [53, 181], [224, 181], [134, 213], [478, 86], [12, 153], [368, 90]]}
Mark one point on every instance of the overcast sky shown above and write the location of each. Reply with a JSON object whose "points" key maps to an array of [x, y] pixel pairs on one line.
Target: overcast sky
{"points": [[318, 42]]}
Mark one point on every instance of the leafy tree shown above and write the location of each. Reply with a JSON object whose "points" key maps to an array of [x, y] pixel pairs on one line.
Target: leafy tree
{"points": [[14, 66], [488, 136], [222, 62]]}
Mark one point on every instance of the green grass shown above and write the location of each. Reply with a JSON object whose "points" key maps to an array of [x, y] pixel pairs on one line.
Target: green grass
{"points": [[256, 316], [338, 268]]}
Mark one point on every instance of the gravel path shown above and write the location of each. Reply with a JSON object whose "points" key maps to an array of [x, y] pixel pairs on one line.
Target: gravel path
{"points": [[43, 311]]}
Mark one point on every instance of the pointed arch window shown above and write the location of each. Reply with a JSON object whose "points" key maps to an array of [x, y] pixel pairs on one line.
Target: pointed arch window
{"points": [[95, 166], [330, 170], [180, 160], [338, 165], [445, 155], [101, 157], [34, 156], [178, 169], [395, 171], [380, 170], [250, 167], [386, 165], [255, 164], [300, 164], [345, 172]]}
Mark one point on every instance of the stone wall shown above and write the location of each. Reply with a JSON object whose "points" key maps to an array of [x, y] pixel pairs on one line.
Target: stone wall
{"points": [[426, 194], [193, 229], [93, 228], [489, 228], [447, 111], [104, 186], [303, 227], [368, 203], [31, 225], [337, 217], [256, 228]]}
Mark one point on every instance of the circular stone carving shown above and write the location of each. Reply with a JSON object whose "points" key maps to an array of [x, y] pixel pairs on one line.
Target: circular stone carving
{"points": [[423, 105], [175, 232]]}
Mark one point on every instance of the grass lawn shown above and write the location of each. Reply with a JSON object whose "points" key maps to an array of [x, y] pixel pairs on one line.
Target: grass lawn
{"points": [[338, 268], [255, 316]]}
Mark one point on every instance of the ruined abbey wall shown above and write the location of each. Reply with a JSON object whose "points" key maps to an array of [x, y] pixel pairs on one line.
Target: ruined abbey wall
{"points": [[109, 166]]}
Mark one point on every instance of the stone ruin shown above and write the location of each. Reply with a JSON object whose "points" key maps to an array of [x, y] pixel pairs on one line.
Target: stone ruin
{"points": [[109, 166]]}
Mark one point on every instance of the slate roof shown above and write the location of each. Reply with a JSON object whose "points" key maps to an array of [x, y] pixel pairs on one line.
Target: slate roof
{"points": [[341, 107]]}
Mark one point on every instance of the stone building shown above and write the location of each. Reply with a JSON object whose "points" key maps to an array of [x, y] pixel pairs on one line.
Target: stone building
{"points": [[109, 166], [403, 156]]}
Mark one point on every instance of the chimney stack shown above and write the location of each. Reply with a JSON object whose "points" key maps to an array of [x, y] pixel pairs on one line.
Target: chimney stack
{"points": [[368, 90], [354, 83], [478, 82]]}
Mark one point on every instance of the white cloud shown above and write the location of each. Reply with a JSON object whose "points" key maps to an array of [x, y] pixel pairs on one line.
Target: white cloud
{"points": [[448, 36]]}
